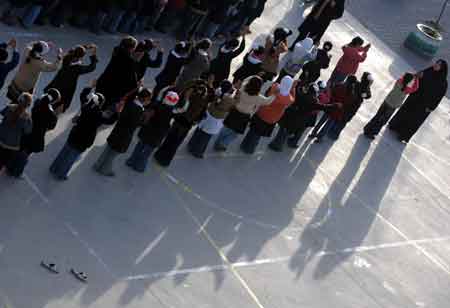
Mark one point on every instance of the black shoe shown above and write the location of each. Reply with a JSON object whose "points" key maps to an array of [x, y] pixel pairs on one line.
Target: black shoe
{"points": [[79, 275], [369, 136], [50, 267], [275, 148]]}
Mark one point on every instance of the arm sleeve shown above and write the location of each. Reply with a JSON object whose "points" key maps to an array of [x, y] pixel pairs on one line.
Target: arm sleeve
{"points": [[86, 69], [14, 61], [240, 49], [157, 62], [49, 66], [84, 95]]}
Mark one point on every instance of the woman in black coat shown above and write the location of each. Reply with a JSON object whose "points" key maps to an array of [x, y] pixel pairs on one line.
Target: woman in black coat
{"points": [[83, 133], [152, 134], [44, 118], [143, 58], [119, 140], [72, 68], [419, 105], [317, 22], [119, 77], [178, 58], [221, 65]]}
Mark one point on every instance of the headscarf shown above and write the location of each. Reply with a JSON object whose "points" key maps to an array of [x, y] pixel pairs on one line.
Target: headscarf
{"points": [[171, 98], [303, 48], [286, 85], [45, 48]]}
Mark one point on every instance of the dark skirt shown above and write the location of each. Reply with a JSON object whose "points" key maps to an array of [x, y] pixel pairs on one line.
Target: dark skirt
{"points": [[199, 142], [166, 152], [262, 128], [237, 121]]}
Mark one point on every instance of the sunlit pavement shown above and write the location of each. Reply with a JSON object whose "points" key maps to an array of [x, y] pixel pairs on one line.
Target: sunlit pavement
{"points": [[349, 224]]}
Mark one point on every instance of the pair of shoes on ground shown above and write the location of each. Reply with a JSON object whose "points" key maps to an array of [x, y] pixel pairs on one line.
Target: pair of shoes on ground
{"points": [[53, 268]]}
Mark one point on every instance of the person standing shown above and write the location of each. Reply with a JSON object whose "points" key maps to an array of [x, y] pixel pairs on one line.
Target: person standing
{"points": [[266, 118], [196, 98], [83, 133], [211, 125], [403, 87], [15, 123], [236, 122], [7, 67], [119, 140], [196, 11], [44, 116], [221, 65], [119, 77], [302, 53], [143, 58], [419, 105], [152, 133], [319, 19], [177, 59], [66, 79], [198, 64], [354, 54], [31, 68]]}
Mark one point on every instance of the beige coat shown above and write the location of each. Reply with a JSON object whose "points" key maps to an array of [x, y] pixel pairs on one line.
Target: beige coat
{"points": [[29, 72]]}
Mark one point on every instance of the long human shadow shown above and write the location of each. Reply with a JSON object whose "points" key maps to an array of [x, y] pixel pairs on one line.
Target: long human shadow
{"points": [[340, 224]]}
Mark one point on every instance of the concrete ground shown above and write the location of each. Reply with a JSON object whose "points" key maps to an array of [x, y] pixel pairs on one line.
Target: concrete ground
{"points": [[349, 224]]}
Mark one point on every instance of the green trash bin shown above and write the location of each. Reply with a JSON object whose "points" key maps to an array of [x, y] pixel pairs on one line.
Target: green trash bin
{"points": [[425, 41]]}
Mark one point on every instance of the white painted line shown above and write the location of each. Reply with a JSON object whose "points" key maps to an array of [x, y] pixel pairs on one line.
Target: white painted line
{"points": [[222, 267], [91, 251], [150, 247], [36, 189], [205, 224]]}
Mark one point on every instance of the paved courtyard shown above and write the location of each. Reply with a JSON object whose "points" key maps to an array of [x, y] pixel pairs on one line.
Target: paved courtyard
{"points": [[351, 224]]}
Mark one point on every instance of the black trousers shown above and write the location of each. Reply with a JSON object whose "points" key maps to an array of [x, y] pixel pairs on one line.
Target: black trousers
{"points": [[198, 143], [383, 115], [312, 28]]}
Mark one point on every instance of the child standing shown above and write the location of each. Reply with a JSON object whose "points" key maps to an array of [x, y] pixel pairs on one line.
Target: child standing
{"points": [[130, 118]]}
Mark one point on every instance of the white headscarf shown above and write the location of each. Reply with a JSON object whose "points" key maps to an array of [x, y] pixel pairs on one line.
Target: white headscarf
{"points": [[286, 85], [303, 48], [45, 48]]}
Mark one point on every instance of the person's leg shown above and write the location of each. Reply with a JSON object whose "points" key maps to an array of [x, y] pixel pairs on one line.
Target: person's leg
{"points": [[57, 163], [318, 126], [141, 154], [335, 130], [188, 24], [104, 164], [225, 138], [198, 143], [30, 15], [294, 139], [127, 22], [250, 141], [278, 142], [18, 163], [378, 121], [336, 78], [325, 128], [97, 21], [71, 155], [114, 18]]}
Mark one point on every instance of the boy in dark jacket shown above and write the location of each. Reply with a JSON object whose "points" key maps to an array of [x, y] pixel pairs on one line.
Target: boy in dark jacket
{"points": [[130, 118], [7, 67]]}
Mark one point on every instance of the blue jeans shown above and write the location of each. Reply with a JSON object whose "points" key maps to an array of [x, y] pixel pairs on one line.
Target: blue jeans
{"points": [[30, 15], [128, 23], [141, 154], [225, 138], [64, 161], [250, 142], [113, 19]]}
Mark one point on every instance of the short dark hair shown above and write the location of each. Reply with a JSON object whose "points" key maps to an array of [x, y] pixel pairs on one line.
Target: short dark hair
{"points": [[328, 45], [144, 93], [204, 44], [357, 41], [254, 85]]}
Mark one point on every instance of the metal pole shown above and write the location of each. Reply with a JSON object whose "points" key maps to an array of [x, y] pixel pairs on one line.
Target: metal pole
{"points": [[444, 6]]}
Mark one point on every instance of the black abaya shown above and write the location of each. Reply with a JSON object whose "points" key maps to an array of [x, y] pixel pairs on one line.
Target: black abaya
{"points": [[419, 105]]}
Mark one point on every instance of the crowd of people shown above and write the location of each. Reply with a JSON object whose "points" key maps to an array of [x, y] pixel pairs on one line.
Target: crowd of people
{"points": [[197, 91]]}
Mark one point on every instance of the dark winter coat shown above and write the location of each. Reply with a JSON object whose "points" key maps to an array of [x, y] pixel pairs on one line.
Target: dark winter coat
{"points": [[413, 113], [130, 119], [156, 129], [7, 67], [67, 78], [171, 70], [311, 72], [221, 65], [44, 119], [84, 132], [119, 77], [148, 62], [329, 13]]}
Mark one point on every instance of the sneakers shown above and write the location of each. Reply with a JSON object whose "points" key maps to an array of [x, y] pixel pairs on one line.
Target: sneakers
{"points": [[79, 275]]}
